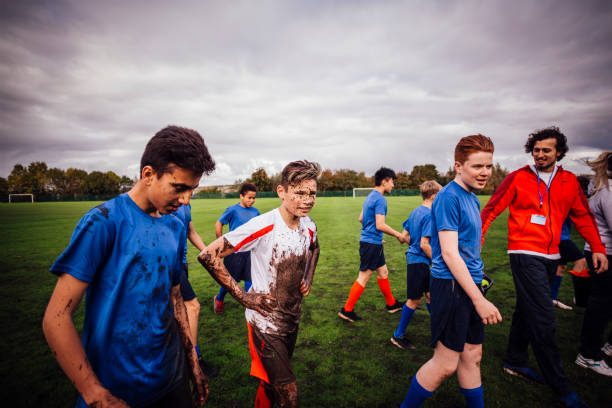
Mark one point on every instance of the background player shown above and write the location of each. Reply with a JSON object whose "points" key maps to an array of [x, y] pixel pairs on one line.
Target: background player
{"points": [[127, 253], [191, 301], [569, 253], [459, 309], [371, 253], [540, 197], [284, 253], [239, 264], [417, 231]]}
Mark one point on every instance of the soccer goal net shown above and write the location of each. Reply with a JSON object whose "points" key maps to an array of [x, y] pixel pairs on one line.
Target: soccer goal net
{"points": [[21, 198], [362, 191]]}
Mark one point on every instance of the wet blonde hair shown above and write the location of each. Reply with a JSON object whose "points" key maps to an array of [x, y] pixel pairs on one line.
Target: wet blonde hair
{"points": [[298, 171], [602, 166]]}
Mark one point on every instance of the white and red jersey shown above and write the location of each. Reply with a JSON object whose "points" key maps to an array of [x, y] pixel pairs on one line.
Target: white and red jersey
{"points": [[278, 262]]}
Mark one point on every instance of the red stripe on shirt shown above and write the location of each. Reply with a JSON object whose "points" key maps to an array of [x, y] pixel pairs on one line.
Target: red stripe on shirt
{"points": [[254, 236]]}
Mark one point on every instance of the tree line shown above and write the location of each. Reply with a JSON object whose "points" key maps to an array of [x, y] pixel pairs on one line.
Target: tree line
{"points": [[347, 179], [38, 179]]}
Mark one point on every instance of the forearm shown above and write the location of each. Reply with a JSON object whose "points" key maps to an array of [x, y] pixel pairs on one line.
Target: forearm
{"points": [[180, 314], [388, 230], [218, 229], [196, 240], [427, 250], [311, 265], [212, 259]]}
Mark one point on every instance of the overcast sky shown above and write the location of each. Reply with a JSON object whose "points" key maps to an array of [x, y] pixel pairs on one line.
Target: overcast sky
{"points": [[350, 84]]}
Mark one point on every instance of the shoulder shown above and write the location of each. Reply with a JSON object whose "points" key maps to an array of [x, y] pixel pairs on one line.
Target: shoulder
{"points": [[308, 223]]}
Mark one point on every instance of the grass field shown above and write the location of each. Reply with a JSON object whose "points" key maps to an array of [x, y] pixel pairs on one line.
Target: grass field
{"points": [[337, 364]]}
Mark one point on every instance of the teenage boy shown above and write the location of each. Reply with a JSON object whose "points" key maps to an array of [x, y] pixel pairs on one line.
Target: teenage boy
{"points": [[127, 255], [569, 252], [189, 297], [239, 264], [371, 254], [540, 197], [417, 232], [459, 309], [284, 253]]}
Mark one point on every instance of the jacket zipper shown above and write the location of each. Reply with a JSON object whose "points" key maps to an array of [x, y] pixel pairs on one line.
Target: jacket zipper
{"points": [[549, 217]]}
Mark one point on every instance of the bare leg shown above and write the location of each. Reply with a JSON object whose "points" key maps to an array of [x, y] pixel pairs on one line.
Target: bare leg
{"points": [[468, 370], [441, 366]]}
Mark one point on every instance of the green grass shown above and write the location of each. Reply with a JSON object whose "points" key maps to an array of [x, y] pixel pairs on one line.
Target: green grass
{"points": [[337, 364]]}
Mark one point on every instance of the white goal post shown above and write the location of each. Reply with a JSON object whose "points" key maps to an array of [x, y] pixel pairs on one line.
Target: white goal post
{"points": [[362, 191], [11, 200]]}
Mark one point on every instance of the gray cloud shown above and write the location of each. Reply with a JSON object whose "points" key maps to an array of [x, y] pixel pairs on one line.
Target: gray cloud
{"points": [[350, 84]]}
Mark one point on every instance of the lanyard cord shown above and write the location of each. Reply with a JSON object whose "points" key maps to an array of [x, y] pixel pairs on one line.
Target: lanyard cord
{"points": [[547, 186]]}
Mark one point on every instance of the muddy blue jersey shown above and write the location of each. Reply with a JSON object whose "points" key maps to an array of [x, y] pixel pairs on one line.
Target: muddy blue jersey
{"points": [[131, 261]]}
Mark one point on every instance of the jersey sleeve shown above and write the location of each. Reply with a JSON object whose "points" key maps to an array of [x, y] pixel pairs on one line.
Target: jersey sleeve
{"points": [[380, 206], [247, 236], [447, 213], [226, 216], [426, 226], [89, 246], [405, 225]]}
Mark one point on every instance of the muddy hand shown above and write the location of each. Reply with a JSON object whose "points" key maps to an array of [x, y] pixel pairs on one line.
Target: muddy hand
{"points": [[108, 400], [304, 288], [259, 302], [200, 388]]}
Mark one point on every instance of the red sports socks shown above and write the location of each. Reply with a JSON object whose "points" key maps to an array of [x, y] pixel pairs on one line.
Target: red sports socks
{"points": [[385, 288], [356, 291]]}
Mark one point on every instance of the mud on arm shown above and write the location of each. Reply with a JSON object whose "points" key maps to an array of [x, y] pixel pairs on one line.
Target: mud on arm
{"points": [[311, 264]]}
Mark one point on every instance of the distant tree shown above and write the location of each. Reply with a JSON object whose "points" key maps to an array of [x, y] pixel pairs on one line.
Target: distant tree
{"points": [[345, 179], [403, 181], [57, 182], [448, 176], [4, 187], [497, 177], [275, 180], [19, 180], [98, 183], [423, 172], [125, 184], [261, 180], [326, 180], [39, 177]]}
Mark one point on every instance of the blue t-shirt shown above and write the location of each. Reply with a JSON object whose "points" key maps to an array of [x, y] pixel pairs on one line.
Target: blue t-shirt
{"points": [[236, 215], [374, 204], [131, 261], [184, 214], [418, 225], [454, 209], [566, 229]]}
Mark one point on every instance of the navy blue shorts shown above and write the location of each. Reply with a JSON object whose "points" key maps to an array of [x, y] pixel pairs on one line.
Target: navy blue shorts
{"points": [[186, 290], [239, 266], [454, 320], [569, 252], [417, 280], [371, 256]]}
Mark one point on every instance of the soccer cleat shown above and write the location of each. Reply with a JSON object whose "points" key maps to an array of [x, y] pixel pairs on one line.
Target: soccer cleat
{"points": [[607, 349], [525, 373], [217, 305], [396, 307], [402, 343], [572, 400], [348, 316], [209, 370], [600, 367], [561, 305]]}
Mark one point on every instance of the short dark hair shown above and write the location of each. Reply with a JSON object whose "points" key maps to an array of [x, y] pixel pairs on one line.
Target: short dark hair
{"points": [[552, 132], [246, 187], [298, 171], [180, 146], [382, 174]]}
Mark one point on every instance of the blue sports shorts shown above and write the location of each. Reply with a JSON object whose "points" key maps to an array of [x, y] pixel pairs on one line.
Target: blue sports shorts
{"points": [[417, 280], [371, 256]]}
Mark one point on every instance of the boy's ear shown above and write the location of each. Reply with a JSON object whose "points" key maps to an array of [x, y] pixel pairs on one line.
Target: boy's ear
{"points": [[147, 175], [280, 191]]}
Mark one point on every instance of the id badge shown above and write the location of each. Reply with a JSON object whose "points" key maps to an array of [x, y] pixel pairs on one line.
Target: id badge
{"points": [[538, 219]]}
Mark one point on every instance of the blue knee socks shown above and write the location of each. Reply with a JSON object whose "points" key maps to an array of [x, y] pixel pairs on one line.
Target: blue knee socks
{"points": [[416, 395], [404, 320], [554, 287], [474, 398]]}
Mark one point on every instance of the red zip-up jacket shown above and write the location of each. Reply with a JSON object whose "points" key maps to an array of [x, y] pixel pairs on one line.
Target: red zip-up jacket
{"points": [[519, 190]]}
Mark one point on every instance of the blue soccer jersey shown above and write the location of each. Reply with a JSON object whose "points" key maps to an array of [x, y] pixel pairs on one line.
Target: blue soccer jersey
{"points": [[375, 203], [418, 225], [236, 215], [131, 261], [566, 229], [184, 214], [455, 209]]}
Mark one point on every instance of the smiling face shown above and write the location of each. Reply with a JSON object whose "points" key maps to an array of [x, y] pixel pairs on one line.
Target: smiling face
{"points": [[247, 199], [173, 189], [299, 198], [545, 154], [474, 173]]}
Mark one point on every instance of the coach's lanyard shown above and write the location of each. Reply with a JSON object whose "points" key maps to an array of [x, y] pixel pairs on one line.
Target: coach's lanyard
{"points": [[547, 186]]}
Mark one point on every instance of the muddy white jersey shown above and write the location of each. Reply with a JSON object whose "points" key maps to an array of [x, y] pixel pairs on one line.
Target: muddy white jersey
{"points": [[278, 261]]}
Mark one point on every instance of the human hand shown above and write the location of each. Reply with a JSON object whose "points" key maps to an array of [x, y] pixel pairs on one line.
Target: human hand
{"points": [[200, 386], [600, 262], [259, 302], [487, 311], [304, 288], [102, 398]]}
